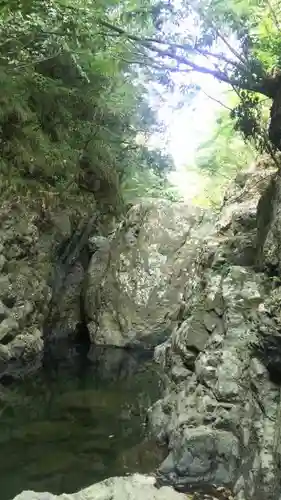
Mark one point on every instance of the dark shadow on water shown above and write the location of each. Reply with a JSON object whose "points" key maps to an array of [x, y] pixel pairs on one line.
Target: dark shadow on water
{"points": [[78, 421]]}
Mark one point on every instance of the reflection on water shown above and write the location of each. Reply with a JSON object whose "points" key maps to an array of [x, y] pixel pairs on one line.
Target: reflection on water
{"points": [[76, 423]]}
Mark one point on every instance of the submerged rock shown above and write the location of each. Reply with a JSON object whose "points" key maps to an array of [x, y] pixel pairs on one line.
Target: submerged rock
{"points": [[135, 487]]}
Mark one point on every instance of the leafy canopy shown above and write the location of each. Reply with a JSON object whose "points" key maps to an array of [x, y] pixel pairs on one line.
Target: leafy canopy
{"points": [[74, 77], [72, 106], [235, 41]]}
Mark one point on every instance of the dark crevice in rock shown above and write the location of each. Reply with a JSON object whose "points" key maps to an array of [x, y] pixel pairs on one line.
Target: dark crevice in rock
{"points": [[7, 380], [72, 257], [269, 353], [265, 211], [82, 335], [272, 270], [7, 339], [9, 301]]}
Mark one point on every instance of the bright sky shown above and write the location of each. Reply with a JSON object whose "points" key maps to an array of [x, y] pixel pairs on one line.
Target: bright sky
{"points": [[186, 129], [193, 123], [189, 127]]}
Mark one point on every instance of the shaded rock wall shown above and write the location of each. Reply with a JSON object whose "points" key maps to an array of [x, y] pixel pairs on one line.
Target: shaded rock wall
{"points": [[221, 413], [24, 293], [30, 290]]}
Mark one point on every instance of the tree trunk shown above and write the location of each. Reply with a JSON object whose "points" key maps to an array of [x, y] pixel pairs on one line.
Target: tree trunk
{"points": [[275, 120]]}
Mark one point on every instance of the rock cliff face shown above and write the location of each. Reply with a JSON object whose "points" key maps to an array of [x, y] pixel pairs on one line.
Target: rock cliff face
{"points": [[135, 281], [39, 279], [24, 293], [221, 414], [209, 290]]}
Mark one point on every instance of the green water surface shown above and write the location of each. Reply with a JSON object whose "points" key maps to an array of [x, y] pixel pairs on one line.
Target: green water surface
{"points": [[63, 432]]}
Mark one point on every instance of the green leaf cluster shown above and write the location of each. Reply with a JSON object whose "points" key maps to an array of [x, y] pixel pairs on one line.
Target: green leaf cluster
{"points": [[220, 158], [72, 106]]}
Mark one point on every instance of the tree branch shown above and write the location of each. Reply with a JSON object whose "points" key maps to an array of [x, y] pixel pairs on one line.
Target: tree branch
{"points": [[218, 74], [262, 87], [157, 67], [273, 15], [221, 57], [179, 46], [216, 100], [232, 50]]}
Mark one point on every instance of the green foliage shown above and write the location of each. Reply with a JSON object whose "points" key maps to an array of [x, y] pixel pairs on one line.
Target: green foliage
{"points": [[147, 183], [266, 34], [225, 153], [220, 158], [236, 41], [74, 78], [71, 105]]}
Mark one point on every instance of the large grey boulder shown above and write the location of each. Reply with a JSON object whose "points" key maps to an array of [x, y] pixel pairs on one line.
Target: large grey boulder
{"points": [[135, 281], [222, 420], [135, 487]]}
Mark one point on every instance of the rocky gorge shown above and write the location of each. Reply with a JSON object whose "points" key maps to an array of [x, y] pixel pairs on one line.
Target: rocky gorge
{"points": [[201, 290]]}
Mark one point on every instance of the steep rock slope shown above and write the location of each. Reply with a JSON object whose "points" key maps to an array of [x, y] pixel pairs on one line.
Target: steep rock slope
{"points": [[221, 413], [41, 276], [136, 279], [24, 293]]}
